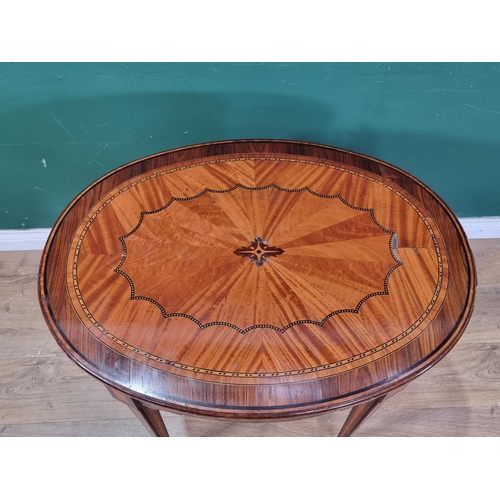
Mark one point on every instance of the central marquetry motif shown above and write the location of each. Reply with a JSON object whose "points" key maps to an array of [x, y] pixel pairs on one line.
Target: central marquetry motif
{"points": [[258, 251], [316, 256]]}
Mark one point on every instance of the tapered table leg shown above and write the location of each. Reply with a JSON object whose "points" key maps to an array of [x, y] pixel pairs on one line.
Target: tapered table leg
{"points": [[358, 415], [361, 412], [150, 418]]}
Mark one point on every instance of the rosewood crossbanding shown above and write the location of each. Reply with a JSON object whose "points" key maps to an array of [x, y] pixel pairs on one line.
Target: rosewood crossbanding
{"points": [[257, 279]]}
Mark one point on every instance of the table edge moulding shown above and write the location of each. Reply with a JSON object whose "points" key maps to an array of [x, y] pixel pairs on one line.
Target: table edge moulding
{"points": [[256, 279]]}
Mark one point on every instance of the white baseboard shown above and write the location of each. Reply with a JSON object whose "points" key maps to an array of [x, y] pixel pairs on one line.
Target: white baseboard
{"points": [[23, 239], [34, 239], [477, 228]]}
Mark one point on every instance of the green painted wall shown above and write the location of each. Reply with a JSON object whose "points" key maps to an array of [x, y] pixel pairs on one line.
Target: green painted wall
{"points": [[64, 125]]}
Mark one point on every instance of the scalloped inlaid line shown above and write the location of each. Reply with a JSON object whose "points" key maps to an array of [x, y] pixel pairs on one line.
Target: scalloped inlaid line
{"points": [[243, 330]]}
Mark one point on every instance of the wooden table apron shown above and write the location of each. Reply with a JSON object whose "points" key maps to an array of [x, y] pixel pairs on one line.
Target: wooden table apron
{"points": [[256, 279]]}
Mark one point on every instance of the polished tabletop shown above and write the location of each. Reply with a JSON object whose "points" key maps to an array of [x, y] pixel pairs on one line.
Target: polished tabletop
{"points": [[257, 279]]}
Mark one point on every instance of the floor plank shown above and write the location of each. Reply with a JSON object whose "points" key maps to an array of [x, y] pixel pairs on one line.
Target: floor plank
{"points": [[43, 393]]}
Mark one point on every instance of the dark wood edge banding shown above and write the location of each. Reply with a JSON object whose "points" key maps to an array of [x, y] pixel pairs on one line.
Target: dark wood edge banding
{"points": [[365, 394]]}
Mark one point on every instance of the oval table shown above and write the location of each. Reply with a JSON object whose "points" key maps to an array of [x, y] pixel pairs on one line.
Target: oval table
{"points": [[257, 279]]}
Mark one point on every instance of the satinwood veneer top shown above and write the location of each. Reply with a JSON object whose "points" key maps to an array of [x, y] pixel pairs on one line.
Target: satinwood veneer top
{"points": [[257, 278]]}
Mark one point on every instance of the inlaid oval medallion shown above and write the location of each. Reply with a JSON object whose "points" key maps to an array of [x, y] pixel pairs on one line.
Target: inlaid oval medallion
{"points": [[284, 266], [189, 245]]}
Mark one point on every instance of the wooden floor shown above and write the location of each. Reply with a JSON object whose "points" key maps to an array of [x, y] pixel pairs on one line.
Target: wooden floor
{"points": [[43, 393]]}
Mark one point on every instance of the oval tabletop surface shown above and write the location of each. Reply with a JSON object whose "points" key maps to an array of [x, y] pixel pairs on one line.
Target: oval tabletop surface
{"points": [[257, 279]]}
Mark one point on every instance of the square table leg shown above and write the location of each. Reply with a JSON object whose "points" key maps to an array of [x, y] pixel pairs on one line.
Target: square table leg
{"points": [[358, 415], [361, 412], [150, 418]]}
